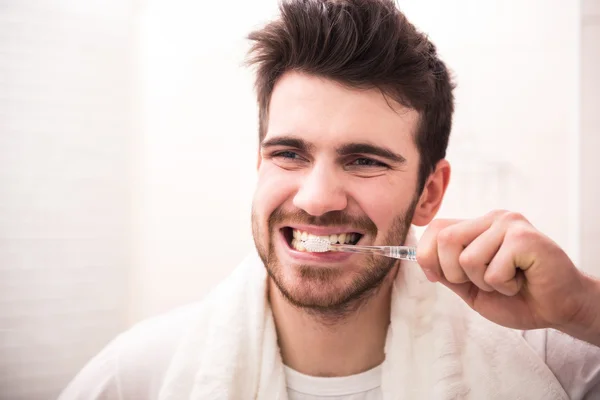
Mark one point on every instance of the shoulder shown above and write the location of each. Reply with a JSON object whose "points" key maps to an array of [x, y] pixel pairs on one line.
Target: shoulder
{"points": [[133, 365], [575, 363], [146, 349]]}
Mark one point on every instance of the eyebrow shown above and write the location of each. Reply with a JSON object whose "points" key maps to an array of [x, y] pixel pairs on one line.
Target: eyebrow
{"points": [[344, 150], [367, 148], [288, 141]]}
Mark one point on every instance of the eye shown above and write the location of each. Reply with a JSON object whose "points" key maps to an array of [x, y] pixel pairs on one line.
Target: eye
{"points": [[288, 159], [289, 155], [367, 162]]}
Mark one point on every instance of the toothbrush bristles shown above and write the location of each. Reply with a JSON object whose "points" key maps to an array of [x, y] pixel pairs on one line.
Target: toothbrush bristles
{"points": [[316, 245]]}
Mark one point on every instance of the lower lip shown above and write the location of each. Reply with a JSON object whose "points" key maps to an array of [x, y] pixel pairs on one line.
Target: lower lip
{"points": [[305, 256]]}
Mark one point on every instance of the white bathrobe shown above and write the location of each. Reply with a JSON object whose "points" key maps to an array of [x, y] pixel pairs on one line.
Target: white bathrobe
{"points": [[436, 348]]}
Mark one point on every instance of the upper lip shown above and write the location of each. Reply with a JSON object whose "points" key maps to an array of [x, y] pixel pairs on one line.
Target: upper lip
{"points": [[324, 230]]}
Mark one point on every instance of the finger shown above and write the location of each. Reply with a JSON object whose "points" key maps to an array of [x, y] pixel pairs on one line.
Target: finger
{"points": [[476, 257], [505, 273], [453, 240], [427, 250], [502, 273], [450, 244]]}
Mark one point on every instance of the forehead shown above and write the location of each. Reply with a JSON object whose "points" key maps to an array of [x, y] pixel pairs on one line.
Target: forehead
{"points": [[321, 111]]}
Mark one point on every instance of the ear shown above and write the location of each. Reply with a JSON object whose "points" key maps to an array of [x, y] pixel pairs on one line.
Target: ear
{"points": [[430, 200], [258, 160]]}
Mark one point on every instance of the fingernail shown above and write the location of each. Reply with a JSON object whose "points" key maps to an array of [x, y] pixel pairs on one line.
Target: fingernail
{"points": [[430, 275]]}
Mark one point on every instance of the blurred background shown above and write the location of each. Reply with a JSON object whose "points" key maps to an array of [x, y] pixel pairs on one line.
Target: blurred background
{"points": [[128, 143]]}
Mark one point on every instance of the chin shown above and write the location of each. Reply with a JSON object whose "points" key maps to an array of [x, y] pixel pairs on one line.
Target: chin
{"points": [[321, 288]]}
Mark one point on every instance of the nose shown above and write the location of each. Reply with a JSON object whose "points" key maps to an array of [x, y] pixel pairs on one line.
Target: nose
{"points": [[321, 192]]}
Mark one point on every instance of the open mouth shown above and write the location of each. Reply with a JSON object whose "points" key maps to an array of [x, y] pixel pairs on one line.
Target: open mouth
{"points": [[294, 238]]}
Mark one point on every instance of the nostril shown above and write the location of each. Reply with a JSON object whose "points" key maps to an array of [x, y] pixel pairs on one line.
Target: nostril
{"points": [[319, 199]]}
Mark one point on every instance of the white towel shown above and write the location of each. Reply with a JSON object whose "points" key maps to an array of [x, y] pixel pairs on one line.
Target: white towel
{"points": [[436, 348]]}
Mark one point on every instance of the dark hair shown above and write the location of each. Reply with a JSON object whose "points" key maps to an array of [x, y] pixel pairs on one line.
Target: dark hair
{"points": [[362, 44]]}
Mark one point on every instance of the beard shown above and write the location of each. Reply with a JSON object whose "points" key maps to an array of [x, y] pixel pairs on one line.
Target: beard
{"points": [[330, 292]]}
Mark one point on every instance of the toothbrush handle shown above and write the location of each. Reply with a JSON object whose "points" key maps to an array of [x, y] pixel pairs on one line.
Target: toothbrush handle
{"points": [[399, 252], [402, 252]]}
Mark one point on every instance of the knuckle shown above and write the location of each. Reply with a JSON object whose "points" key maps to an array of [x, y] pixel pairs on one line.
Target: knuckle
{"points": [[467, 260], [442, 223], [497, 213], [437, 225], [446, 236], [512, 216], [522, 234]]}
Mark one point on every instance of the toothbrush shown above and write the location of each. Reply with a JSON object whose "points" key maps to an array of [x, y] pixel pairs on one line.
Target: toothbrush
{"points": [[319, 245]]}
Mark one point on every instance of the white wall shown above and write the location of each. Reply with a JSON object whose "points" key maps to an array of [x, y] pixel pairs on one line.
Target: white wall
{"points": [[590, 136], [197, 152], [65, 125], [514, 144]]}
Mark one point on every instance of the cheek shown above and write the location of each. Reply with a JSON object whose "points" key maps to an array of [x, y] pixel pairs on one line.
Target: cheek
{"points": [[383, 200], [273, 188]]}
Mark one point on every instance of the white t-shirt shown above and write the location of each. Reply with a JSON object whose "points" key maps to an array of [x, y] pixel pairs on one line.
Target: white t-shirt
{"points": [[363, 386]]}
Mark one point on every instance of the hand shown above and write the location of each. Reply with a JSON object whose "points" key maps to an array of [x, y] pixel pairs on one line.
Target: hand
{"points": [[509, 272]]}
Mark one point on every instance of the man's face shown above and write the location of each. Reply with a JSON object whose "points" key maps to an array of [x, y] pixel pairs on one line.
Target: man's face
{"points": [[339, 163]]}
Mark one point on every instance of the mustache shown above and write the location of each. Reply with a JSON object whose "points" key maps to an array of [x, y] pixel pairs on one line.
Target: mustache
{"points": [[332, 218]]}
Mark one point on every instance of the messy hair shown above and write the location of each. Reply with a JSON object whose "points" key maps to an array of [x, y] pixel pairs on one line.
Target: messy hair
{"points": [[361, 44]]}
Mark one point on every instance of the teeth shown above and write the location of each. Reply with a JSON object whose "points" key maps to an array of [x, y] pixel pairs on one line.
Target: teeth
{"points": [[300, 236]]}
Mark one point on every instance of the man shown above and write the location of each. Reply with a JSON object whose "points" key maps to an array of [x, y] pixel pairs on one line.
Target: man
{"points": [[355, 115]]}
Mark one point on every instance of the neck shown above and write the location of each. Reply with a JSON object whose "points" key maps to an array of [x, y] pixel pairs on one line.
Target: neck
{"points": [[342, 346]]}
